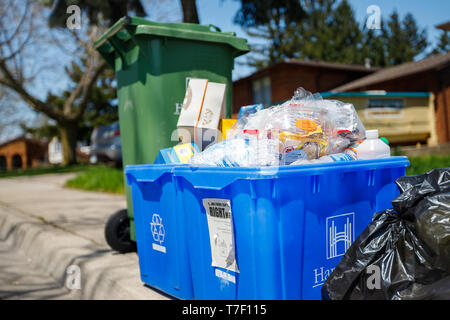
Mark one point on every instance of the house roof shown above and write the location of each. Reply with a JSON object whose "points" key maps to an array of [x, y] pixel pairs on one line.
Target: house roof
{"points": [[314, 64], [406, 69], [376, 94], [19, 138], [331, 65]]}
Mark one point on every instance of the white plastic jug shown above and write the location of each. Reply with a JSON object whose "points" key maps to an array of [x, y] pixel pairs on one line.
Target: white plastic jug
{"points": [[373, 147]]}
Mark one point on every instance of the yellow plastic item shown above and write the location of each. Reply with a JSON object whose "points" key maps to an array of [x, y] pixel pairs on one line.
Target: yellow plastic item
{"points": [[225, 126], [184, 152]]}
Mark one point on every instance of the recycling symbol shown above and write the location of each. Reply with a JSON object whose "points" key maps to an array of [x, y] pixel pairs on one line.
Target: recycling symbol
{"points": [[157, 228]]}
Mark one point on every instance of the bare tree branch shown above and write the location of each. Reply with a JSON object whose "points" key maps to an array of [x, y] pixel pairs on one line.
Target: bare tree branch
{"points": [[16, 32], [34, 102], [87, 90]]}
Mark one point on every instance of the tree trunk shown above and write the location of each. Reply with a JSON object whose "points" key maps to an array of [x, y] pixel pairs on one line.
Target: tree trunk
{"points": [[69, 132], [190, 13]]}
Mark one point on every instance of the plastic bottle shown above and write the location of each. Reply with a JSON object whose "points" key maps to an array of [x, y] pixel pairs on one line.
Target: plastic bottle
{"points": [[373, 147], [337, 157]]}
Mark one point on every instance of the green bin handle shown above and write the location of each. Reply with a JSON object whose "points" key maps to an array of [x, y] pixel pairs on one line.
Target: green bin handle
{"points": [[211, 26], [217, 29]]}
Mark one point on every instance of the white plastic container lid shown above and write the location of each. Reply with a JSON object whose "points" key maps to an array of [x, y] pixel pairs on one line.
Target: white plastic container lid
{"points": [[372, 134]]}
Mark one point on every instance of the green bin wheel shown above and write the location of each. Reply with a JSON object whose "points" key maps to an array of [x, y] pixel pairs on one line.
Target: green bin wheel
{"points": [[117, 232]]}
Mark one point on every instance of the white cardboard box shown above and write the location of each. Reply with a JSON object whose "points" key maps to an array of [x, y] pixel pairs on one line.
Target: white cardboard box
{"points": [[203, 107]]}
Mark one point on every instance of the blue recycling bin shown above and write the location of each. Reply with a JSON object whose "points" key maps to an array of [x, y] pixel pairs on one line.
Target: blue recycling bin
{"points": [[277, 233], [160, 229]]}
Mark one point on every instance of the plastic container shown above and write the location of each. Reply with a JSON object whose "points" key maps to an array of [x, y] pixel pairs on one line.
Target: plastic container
{"points": [[337, 157], [291, 224], [152, 62], [373, 147], [160, 231]]}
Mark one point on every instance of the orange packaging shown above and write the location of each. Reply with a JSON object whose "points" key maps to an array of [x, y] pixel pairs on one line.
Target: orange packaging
{"points": [[306, 125]]}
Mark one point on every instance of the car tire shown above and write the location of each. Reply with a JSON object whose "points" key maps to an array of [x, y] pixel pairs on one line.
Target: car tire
{"points": [[117, 232]]}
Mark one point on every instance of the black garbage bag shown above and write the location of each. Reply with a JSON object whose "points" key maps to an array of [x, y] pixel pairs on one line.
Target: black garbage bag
{"points": [[404, 253]]}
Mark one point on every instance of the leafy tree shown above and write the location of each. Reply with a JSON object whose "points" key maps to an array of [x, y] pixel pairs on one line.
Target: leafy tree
{"points": [[309, 29], [45, 130], [326, 30], [373, 49], [443, 45], [274, 21], [314, 32], [403, 39], [330, 32], [255, 13]]}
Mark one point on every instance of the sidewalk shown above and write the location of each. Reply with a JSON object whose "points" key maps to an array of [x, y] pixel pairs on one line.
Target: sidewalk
{"points": [[55, 227]]}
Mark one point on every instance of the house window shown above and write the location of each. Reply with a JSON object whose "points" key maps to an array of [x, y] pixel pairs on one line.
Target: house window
{"points": [[386, 103], [261, 91], [17, 161], [3, 165], [58, 147], [385, 108]]}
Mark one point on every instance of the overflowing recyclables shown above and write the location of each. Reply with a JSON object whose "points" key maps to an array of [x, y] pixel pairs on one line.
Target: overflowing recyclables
{"points": [[253, 233]]}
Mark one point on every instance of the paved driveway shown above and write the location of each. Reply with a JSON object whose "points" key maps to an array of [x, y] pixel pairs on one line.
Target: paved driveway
{"points": [[44, 197], [55, 227]]}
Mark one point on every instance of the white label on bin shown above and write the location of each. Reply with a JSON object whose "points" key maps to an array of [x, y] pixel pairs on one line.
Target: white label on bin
{"points": [[225, 276], [221, 236], [158, 233], [158, 247]]}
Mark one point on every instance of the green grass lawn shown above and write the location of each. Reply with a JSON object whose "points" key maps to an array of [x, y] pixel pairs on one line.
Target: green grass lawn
{"points": [[423, 164], [45, 170], [99, 178]]}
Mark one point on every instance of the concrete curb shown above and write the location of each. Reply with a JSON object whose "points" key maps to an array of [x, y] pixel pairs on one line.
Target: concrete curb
{"points": [[104, 273]]}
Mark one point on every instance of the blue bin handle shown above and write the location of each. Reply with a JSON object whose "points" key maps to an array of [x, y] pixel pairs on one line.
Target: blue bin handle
{"points": [[147, 173]]}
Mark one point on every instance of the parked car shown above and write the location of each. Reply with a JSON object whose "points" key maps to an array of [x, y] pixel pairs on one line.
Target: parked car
{"points": [[106, 145]]}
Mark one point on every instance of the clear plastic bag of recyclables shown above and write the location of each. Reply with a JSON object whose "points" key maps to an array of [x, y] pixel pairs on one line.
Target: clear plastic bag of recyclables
{"points": [[405, 252], [305, 127]]}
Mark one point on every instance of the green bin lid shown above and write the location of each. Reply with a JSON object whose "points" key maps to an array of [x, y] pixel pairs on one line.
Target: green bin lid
{"points": [[127, 27]]}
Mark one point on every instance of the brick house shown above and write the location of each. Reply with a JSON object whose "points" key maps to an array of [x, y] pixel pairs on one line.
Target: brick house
{"points": [[21, 153], [279, 81]]}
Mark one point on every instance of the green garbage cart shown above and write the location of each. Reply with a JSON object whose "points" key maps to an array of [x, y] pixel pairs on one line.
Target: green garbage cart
{"points": [[153, 63]]}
